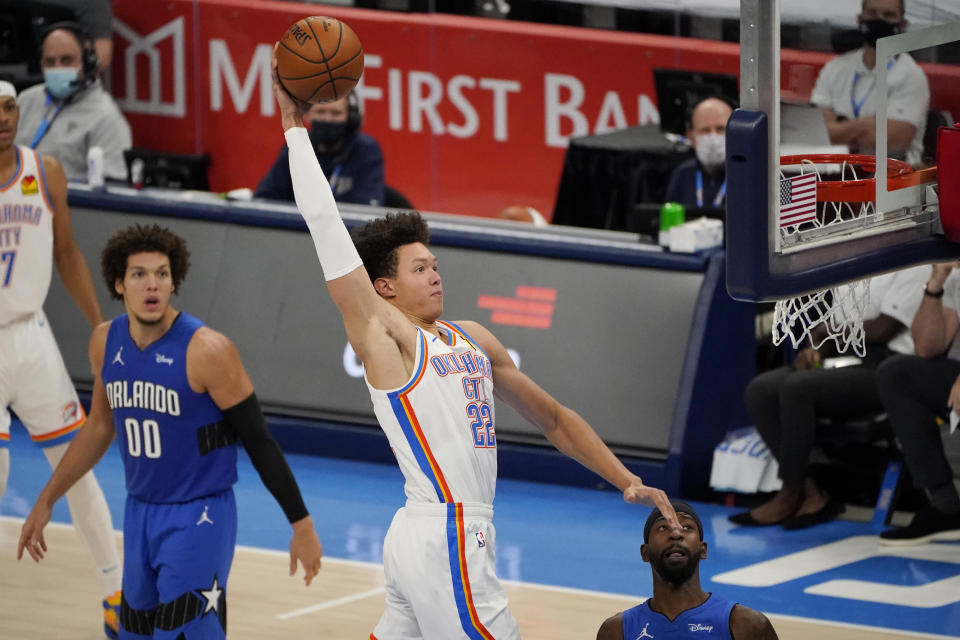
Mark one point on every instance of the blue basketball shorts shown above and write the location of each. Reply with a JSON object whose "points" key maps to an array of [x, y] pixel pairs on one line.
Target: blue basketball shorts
{"points": [[176, 560]]}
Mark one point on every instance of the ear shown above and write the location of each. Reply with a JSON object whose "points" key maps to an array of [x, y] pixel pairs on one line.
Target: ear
{"points": [[384, 287], [703, 549], [118, 286], [645, 553], [691, 138]]}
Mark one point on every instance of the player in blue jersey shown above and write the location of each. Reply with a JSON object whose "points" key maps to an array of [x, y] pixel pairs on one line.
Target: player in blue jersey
{"points": [[680, 608], [179, 399]]}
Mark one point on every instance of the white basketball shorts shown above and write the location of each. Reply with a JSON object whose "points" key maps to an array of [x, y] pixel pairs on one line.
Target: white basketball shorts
{"points": [[35, 384], [438, 564]]}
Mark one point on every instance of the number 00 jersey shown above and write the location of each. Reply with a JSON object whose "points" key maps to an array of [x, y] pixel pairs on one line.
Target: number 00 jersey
{"points": [[26, 239], [441, 423], [174, 441]]}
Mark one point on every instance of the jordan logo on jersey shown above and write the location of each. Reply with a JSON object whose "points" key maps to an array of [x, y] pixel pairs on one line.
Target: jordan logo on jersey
{"points": [[643, 632], [118, 358], [29, 186]]}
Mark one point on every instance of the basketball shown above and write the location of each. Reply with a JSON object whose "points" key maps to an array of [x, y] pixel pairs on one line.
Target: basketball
{"points": [[319, 59]]}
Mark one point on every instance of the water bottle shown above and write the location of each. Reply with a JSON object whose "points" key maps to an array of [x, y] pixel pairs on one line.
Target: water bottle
{"points": [[671, 214], [95, 167]]}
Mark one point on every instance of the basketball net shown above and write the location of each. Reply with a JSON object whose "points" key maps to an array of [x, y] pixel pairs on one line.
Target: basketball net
{"points": [[839, 309]]}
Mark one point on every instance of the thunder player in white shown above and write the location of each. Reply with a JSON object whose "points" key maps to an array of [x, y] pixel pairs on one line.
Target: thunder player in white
{"points": [[35, 232], [432, 385]]}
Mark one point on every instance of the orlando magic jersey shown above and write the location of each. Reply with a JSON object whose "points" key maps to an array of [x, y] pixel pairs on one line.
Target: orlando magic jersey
{"points": [[26, 239], [710, 620], [440, 424], [173, 441]]}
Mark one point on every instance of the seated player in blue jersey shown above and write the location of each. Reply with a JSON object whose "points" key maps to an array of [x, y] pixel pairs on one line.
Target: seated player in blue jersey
{"points": [[178, 397], [432, 386], [680, 608]]}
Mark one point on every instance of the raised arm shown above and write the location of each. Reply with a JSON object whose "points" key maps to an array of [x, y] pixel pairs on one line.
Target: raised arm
{"points": [[365, 315], [66, 254], [562, 426], [85, 450], [214, 367]]}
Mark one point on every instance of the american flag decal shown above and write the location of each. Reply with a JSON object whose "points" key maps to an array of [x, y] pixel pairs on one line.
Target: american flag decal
{"points": [[798, 199]]}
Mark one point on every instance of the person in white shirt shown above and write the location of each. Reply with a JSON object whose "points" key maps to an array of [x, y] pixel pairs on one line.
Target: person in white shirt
{"points": [[846, 89]]}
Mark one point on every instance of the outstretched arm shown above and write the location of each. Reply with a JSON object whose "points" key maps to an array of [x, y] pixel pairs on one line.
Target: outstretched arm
{"points": [[85, 450], [66, 254], [562, 426], [365, 316], [214, 366]]}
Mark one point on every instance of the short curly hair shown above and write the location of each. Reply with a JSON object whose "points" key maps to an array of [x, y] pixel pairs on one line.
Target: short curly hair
{"points": [[377, 241], [141, 238]]}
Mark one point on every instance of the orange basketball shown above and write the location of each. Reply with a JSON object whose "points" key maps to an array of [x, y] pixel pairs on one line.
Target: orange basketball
{"points": [[319, 59]]}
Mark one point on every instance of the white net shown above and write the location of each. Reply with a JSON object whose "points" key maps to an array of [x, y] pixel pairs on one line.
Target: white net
{"points": [[835, 313], [830, 314]]}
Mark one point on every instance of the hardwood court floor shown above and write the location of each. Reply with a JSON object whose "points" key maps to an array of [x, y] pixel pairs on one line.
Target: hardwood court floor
{"points": [[59, 598]]}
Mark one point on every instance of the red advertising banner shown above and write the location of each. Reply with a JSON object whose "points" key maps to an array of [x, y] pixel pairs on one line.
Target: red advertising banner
{"points": [[472, 114]]}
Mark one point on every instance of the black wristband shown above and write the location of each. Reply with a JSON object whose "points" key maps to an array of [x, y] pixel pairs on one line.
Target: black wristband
{"points": [[932, 294]]}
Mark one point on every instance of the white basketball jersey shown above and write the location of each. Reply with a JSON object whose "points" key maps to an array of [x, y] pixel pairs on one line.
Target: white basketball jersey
{"points": [[26, 239], [440, 424]]}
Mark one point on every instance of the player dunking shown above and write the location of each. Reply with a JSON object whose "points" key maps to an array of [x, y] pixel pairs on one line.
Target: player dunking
{"points": [[35, 232], [432, 385], [179, 398]]}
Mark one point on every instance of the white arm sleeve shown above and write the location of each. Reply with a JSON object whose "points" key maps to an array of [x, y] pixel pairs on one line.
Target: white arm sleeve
{"points": [[338, 256]]}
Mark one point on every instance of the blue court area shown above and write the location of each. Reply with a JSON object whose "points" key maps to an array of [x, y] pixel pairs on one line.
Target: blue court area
{"points": [[589, 539]]}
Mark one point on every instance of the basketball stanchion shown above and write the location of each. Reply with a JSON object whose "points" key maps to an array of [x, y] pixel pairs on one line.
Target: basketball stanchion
{"points": [[815, 212]]}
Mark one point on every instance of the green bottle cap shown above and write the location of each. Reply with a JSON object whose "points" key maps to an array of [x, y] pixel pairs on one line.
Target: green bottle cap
{"points": [[671, 214]]}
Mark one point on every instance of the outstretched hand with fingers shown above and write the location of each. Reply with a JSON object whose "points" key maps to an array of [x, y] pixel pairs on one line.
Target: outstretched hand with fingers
{"points": [[31, 534], [638, 493]]}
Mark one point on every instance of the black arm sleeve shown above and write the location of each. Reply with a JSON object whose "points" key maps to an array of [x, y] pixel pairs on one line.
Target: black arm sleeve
{"points": [[247, 420]]}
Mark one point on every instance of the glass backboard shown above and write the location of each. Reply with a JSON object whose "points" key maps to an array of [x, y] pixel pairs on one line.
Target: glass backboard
{"points": [[804, 104]]}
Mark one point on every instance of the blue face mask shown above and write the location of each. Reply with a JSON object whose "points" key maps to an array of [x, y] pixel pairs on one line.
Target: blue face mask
{"points": [[61, 81]]}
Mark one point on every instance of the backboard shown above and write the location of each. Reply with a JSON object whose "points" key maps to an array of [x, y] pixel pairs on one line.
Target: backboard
{"points": [[769, 257]]}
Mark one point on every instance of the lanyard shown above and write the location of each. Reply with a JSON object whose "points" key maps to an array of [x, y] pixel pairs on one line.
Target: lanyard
{"points": [[853, 89], [335, 179], [52, 112], [718, 200]]}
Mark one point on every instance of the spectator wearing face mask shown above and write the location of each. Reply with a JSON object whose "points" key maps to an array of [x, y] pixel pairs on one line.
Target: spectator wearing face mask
{"points": [[70, 112], [846, 89], [701, 181], [350, 159]]}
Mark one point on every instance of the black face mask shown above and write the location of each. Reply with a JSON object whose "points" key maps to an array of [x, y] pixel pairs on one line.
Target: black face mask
{"points": [[873, 30], [327, 133]]}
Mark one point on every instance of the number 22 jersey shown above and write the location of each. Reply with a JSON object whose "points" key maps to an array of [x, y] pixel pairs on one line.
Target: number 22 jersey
{"points": [[440, 424]]}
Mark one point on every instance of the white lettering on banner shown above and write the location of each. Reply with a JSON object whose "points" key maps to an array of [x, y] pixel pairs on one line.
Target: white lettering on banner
{"points": [[221, 65], [557, 110], [646, 110], [564, 95], [500, 90], [841, 553], [611, 108], [364, 93], [147, 45], [470, 119], [419, 104]]}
